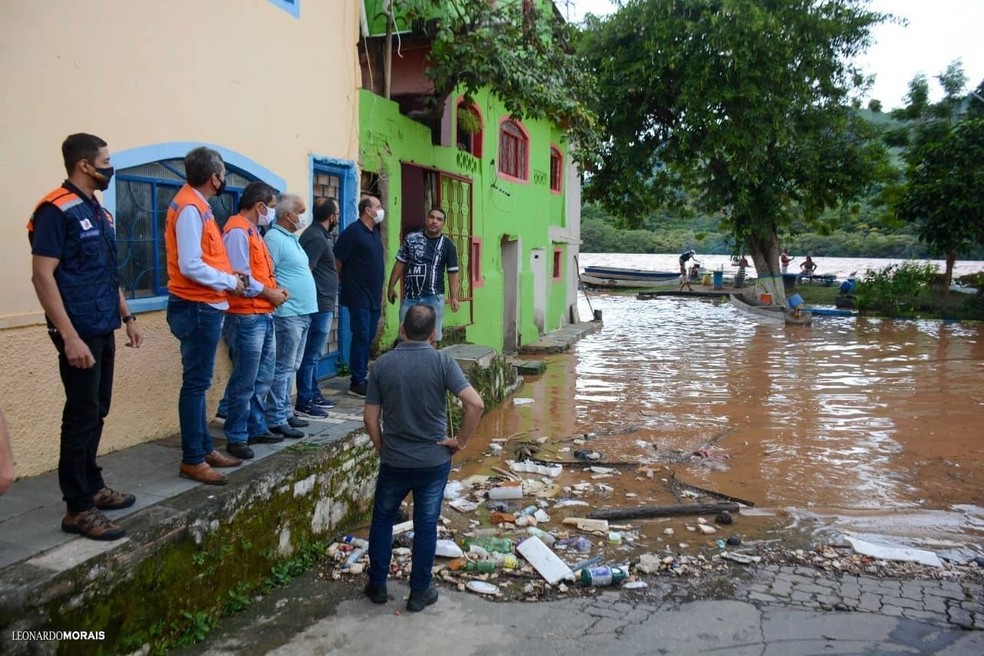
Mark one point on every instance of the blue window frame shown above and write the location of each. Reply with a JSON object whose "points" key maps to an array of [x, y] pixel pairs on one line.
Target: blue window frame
{"points": [[142, 196], [292, 7]]}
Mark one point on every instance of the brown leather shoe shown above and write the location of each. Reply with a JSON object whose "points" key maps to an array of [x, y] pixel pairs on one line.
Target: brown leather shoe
{"points": [[216, 459], [93, 525], [202, 473]]}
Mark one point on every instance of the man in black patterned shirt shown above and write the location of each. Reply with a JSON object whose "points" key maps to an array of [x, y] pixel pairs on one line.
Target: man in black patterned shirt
{"points": [[421, 262]]}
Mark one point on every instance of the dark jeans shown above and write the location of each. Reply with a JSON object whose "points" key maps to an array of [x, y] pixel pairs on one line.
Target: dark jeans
{"points": [[198, 327], [392, 486], [363, 323], [307, 373], [88, 393]]}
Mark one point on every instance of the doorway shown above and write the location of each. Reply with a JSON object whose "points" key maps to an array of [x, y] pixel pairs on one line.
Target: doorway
{"points": [[509, 250]]}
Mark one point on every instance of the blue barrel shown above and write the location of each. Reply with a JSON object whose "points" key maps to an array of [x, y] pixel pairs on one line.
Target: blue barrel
{"points": [[719, 280], [795, 301]]}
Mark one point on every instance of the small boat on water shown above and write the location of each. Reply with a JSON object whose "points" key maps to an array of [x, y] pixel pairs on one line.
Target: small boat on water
{"points": [[615, 273], [776, 314], [624, 283]]}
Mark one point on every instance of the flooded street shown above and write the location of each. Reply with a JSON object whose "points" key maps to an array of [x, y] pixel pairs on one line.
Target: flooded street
{"points": [[862, 426]]}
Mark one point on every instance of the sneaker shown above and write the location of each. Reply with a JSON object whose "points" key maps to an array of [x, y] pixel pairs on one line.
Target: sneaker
{"points": [[323, 403], [376, 593], [358, 389], [93, 525], [296, 422], [310, 411], [287, 431], [419, 600], [108, 499]]}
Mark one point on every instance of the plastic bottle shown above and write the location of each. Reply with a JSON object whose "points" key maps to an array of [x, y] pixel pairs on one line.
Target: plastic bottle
{"points": [[356, 542], [602, 576], [482, 566], [547, 538], [506, 561], [510, 492], [353, 557], [501, 545]]}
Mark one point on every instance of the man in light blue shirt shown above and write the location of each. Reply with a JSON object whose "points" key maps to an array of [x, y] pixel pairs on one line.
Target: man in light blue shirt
{"points": [[292, 319]]}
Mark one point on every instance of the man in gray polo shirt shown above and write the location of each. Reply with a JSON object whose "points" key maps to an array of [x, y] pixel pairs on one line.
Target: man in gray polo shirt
{"points": [[407, 389]]}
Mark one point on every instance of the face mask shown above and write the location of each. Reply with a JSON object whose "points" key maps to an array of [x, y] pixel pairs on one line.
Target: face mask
{"points": [[102, 177], [380, 215], [222, 186], [268, 218], [303, 221]]}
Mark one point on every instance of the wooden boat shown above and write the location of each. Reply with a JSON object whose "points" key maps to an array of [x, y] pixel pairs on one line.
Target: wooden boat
{"points": [[616, 273], [776, 314], [624, 283]]}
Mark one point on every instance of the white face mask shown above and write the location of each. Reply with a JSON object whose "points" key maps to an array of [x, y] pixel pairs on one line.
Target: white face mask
{"points": [[269, 217], [303, 221], [380, 215]]}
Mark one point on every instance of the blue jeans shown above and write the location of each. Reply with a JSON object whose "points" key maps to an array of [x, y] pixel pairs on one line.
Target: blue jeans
{"points": [[291, 335], [436, 301], [363, 323], [198, 327], [392, 486], [307, 373], [252, 347]]}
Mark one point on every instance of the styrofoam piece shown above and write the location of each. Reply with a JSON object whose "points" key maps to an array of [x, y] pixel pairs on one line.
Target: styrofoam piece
{"points": [[530, 467], [482, 587], [448, 549], [463, 505], [895, 553], [550, 567], [585, 524]]}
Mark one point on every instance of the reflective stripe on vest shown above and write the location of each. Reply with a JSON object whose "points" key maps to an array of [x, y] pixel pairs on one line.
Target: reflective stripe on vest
{"points": [[260, 268], [213, 250]]}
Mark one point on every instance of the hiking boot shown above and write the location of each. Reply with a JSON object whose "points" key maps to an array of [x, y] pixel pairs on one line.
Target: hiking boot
{"points": [[323, 403], [203, 473], [287, 431], [93, 525], [421, 599], [109, 499], [376, 593], [216, 459], [239, 450], [296, 422], [358, 389], [310, 411]]}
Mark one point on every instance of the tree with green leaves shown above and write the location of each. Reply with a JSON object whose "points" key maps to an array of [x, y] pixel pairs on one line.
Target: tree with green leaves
{"points": [[747, 105], [943, 191], [518, 49]]}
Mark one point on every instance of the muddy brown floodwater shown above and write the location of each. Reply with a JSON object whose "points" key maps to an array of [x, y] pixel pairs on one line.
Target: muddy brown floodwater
{"points": [[867, 427]]}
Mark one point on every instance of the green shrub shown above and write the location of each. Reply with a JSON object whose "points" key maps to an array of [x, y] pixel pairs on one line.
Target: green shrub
{"points": [[895, 290]]}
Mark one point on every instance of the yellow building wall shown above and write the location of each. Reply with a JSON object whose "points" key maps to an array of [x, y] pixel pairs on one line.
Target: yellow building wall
{"points": [[244, 75]]}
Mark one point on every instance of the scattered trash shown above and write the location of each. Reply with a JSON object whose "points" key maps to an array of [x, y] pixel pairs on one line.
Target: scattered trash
{"points": [[586, 563], [490, 544], [740, 558], [614, 537], [541, 516], [506, 492], [634, 585], [548, 538], [578, 543], [733, 541], [530, 467], [452, 489], [566, 503], [648, 563], [544, 561], [463, 505], [448, 549], [482, 587], [706, 529], [356, 542], [519, 401], [495, 449], [724, 518], [586, 454], [585, 524]]}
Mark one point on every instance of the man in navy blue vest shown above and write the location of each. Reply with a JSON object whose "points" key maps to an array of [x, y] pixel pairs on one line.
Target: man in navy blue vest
{"points": [[74, 270]]}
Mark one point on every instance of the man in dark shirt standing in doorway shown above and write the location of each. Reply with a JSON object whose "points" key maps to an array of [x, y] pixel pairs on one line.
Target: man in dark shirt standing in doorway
{"points": [[319, 245], [421, 262], [359, 262]]}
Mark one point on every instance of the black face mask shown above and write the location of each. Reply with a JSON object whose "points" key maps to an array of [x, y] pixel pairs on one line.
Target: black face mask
{"points": [[102, 177], [222, 186]]}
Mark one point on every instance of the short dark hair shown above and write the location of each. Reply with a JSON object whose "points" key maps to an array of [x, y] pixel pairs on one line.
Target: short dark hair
{"points": [[79, 146], [201, 164], [323, 208], [419, 322], [255, 192], [363, 204], [444, 215]]}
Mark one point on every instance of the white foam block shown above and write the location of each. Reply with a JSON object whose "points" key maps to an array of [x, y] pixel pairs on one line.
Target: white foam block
{"points": [[550, 567]]}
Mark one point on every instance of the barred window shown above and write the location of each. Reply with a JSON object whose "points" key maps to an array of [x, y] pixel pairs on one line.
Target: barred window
{"points": [[514, 150]]}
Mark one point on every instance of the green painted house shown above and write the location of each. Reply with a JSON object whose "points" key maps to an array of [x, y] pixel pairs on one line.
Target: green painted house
{"points": [[507, 185]]}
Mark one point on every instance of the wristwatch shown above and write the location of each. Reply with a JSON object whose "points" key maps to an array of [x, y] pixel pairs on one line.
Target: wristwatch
{"points": [[130, 317]]}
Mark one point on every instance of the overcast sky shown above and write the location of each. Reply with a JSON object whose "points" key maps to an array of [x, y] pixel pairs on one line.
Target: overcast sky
{"points": [[939, 31]]}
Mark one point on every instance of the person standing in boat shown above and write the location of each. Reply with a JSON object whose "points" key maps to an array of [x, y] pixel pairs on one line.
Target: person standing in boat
{"points": [[684, 258]]}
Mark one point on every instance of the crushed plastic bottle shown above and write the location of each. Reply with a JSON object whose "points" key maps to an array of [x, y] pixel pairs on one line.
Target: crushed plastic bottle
{"points": [[356, 542], [578, 543], [603, 576], [548, 538], [501, 545]]}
